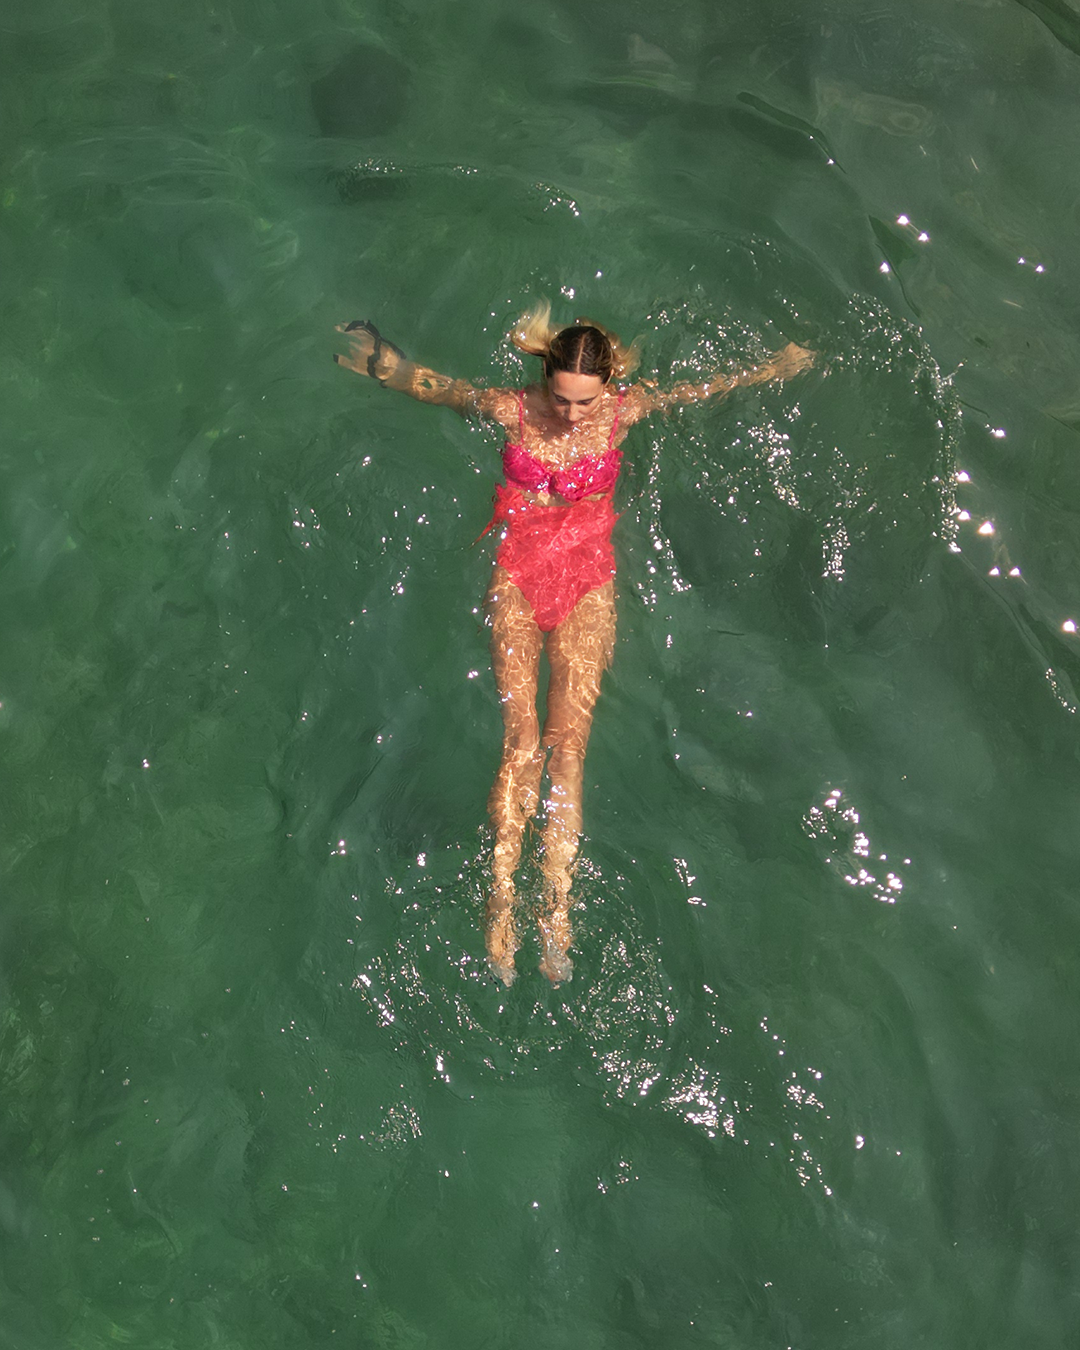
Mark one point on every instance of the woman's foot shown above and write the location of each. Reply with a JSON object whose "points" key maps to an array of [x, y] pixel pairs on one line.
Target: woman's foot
{"points": [[555, 938], [556, 965], [502, 942]]}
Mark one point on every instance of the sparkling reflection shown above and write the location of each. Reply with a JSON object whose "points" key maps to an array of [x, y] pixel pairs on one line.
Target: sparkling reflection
{"points": [[835, 824], [430, 994]]}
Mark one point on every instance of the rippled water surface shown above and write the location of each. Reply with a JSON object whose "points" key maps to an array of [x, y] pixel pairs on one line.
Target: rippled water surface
{"points": [[814, 1083]]}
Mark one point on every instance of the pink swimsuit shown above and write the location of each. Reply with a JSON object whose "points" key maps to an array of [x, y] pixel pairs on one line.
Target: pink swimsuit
{"points": [[556, 554], [583, 478]]}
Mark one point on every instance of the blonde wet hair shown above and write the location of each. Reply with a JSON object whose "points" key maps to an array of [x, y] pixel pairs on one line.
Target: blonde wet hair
{"points": [[585, 348]]}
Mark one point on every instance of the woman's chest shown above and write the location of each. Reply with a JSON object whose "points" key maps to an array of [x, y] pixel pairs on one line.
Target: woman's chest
{"points": [[555, 445]]}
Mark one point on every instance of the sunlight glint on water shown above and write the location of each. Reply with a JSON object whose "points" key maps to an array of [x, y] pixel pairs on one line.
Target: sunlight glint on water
{"points": [[810, 1084]]}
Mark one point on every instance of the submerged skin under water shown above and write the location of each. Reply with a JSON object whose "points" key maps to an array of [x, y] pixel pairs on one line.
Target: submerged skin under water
{"points": [[812, 1084]]}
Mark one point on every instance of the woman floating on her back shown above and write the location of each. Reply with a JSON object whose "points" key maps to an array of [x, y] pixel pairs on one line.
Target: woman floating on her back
{"points": [[552, 583]]}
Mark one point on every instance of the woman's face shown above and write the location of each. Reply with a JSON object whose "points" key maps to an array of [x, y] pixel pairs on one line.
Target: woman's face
{"points": [[574, 396]]}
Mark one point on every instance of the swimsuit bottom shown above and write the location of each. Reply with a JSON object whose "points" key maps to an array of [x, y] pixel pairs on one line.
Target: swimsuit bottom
{"points": [[554, 554]]}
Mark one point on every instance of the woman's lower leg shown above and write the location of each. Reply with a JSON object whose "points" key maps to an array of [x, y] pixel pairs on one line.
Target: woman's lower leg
{"points": [[579, 651], [513, 801]]}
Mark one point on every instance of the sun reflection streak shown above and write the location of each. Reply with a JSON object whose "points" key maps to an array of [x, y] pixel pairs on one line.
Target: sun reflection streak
{"points": [[662, 555], [836, 823], [1001, 567], [696, 1096]]}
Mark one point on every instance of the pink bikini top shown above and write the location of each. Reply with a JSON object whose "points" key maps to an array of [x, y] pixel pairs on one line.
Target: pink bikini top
{"points": [[583, 478]]}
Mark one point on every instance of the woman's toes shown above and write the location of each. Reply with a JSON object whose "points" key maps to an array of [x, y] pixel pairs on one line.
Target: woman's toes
{"points": [[556, 965], [507, 974]]}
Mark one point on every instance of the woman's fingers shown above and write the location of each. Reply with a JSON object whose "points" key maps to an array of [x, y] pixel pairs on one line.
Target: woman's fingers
{"points": [[793, 358], [357, 338], [360, 347]]}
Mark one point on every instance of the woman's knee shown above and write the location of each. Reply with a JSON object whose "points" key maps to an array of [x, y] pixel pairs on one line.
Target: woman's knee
{"points": [[567, 746], [521, 736]]}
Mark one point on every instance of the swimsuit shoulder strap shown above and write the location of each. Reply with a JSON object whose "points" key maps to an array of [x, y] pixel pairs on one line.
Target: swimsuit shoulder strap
{"points": [[615, 424]]}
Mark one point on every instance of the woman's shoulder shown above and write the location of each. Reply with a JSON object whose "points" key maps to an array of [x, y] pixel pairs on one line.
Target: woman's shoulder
{"points": [[499, 404], [636, 401]]}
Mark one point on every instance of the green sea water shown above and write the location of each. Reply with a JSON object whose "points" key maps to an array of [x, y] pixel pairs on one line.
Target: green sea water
{"points": [[814, 1084]]}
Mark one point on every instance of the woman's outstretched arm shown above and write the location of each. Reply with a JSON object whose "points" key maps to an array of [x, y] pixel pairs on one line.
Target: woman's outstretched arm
{"points": [[647, 398], [393, 370]]}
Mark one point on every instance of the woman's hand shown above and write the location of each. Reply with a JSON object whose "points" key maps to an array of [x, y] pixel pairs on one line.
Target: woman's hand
{"points": [[789, 361], [369, 353]]}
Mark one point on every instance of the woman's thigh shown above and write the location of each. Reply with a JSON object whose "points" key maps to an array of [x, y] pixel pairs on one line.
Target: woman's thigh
{"points": [[579, 650], [516, 643]]}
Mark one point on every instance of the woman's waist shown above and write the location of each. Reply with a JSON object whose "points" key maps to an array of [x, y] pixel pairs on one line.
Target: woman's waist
{"points": [[554, 524], [552, 500], [545, 517]]}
